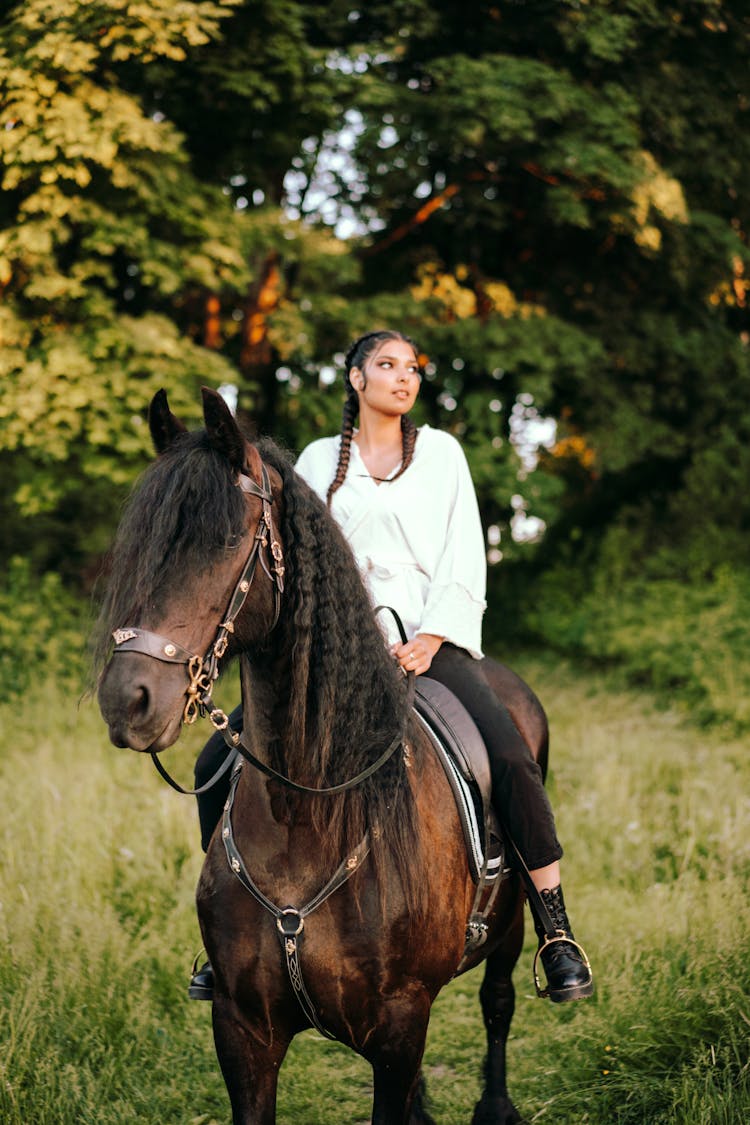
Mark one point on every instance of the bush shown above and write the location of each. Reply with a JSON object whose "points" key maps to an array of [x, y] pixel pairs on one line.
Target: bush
{"points": [[44, 631], [686, 640]]}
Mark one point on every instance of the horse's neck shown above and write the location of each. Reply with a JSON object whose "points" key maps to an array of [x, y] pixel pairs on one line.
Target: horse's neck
{"points": [[274, 807], [259, 705]]}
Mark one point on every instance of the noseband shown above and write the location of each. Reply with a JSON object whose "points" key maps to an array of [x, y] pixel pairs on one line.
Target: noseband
{"points": [[203, 671]]}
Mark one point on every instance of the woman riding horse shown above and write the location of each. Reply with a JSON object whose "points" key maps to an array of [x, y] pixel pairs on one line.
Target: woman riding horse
{"points": [[338, 892], [405, 502]]}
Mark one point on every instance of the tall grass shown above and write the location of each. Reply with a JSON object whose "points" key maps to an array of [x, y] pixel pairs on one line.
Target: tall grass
{"points": [[98, 863]]}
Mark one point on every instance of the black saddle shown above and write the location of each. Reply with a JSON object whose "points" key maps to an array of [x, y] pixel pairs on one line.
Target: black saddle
{"points": [[463, 755]]}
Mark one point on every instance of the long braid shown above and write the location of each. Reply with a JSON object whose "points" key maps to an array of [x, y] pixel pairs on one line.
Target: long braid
{"points": [[350, 412], [357, 356], [408, 442]]}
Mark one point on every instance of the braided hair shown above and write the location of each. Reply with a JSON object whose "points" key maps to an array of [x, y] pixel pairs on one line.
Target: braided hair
{"points": [[358, 354]]}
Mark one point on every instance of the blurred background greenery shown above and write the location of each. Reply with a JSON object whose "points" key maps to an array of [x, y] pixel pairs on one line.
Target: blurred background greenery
{"points": [[548, 196], [551, 197]]}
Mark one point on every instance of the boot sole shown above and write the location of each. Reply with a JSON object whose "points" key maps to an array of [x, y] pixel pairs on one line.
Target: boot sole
{"points": [[577, 992], [198, 992]]}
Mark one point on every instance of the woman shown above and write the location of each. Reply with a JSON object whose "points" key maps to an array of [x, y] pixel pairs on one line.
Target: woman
{"points": [[404, 500]]}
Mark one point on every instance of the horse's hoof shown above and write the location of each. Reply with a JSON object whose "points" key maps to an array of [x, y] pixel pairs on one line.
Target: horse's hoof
{"points": [[496, 1111]]}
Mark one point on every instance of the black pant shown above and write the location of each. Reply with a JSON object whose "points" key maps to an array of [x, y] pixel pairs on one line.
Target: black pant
{"points": [[517, 790]]}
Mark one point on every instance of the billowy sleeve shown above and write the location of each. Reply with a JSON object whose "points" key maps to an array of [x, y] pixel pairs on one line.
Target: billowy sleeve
{"points": [[455, 601], [316, 464]]}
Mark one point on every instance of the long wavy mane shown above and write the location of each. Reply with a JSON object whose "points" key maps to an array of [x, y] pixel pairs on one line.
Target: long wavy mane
{"points": [[340, 697], [346, 696]]}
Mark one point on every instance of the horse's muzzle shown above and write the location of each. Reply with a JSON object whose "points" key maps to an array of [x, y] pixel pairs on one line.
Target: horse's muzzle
{"points": [[142, 702]]}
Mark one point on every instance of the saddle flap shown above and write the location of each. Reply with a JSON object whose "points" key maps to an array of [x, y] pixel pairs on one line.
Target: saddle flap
{"points": [[445, 713], [461, 751]]}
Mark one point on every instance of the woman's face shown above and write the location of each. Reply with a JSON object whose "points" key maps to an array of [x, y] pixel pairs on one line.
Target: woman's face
{"points": [[389, 382]]}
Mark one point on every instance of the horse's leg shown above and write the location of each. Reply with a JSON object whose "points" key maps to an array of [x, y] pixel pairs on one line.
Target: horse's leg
{"points": [[250, 1064], [497, 997], [396, 1067], [419, 1114]]}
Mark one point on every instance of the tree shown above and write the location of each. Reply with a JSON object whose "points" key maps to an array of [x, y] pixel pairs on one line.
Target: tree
{"points": [[547, 196], [106, 237], [554, 196]]}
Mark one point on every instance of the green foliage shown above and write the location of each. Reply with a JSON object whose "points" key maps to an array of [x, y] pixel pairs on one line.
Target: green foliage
{"points": [[247, 99], [43, 633], [104, 232], [73, 429], [686, 640], [567, 136], [95, 187], [548, 197]]}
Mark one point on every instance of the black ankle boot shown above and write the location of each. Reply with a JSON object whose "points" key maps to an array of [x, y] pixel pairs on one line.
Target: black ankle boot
{"points": [[201, 985], [565, 962]]}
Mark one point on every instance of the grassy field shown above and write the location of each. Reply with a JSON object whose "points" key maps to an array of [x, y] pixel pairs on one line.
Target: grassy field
{"points": [[98, 866]]}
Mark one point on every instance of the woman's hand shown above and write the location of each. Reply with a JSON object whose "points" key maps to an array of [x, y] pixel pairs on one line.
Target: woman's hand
{"points": [[416, 655]]}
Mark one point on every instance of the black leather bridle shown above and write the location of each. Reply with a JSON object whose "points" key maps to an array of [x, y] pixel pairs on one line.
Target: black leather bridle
{"points": [[203, 671]]}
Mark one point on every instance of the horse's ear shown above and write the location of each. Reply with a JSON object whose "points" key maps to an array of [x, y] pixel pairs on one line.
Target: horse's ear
{"points": [[223, 432], [162, 422]]}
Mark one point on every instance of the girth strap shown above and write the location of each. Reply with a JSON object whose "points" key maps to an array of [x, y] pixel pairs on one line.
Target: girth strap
{"points": [[290, 921]]}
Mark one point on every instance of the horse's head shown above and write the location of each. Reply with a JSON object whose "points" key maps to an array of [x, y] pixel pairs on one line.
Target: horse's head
{"points": [[197, 573]]}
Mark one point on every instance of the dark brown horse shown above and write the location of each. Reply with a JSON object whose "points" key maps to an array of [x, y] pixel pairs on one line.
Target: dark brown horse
{"points": [[322, 700]]}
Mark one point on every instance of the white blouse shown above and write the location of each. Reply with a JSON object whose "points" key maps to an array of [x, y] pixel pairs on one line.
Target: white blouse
{"points": [[417, 540]]}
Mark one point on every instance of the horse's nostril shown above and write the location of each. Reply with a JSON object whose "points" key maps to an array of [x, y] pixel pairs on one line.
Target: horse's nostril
{"points": [[140, 703]]}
